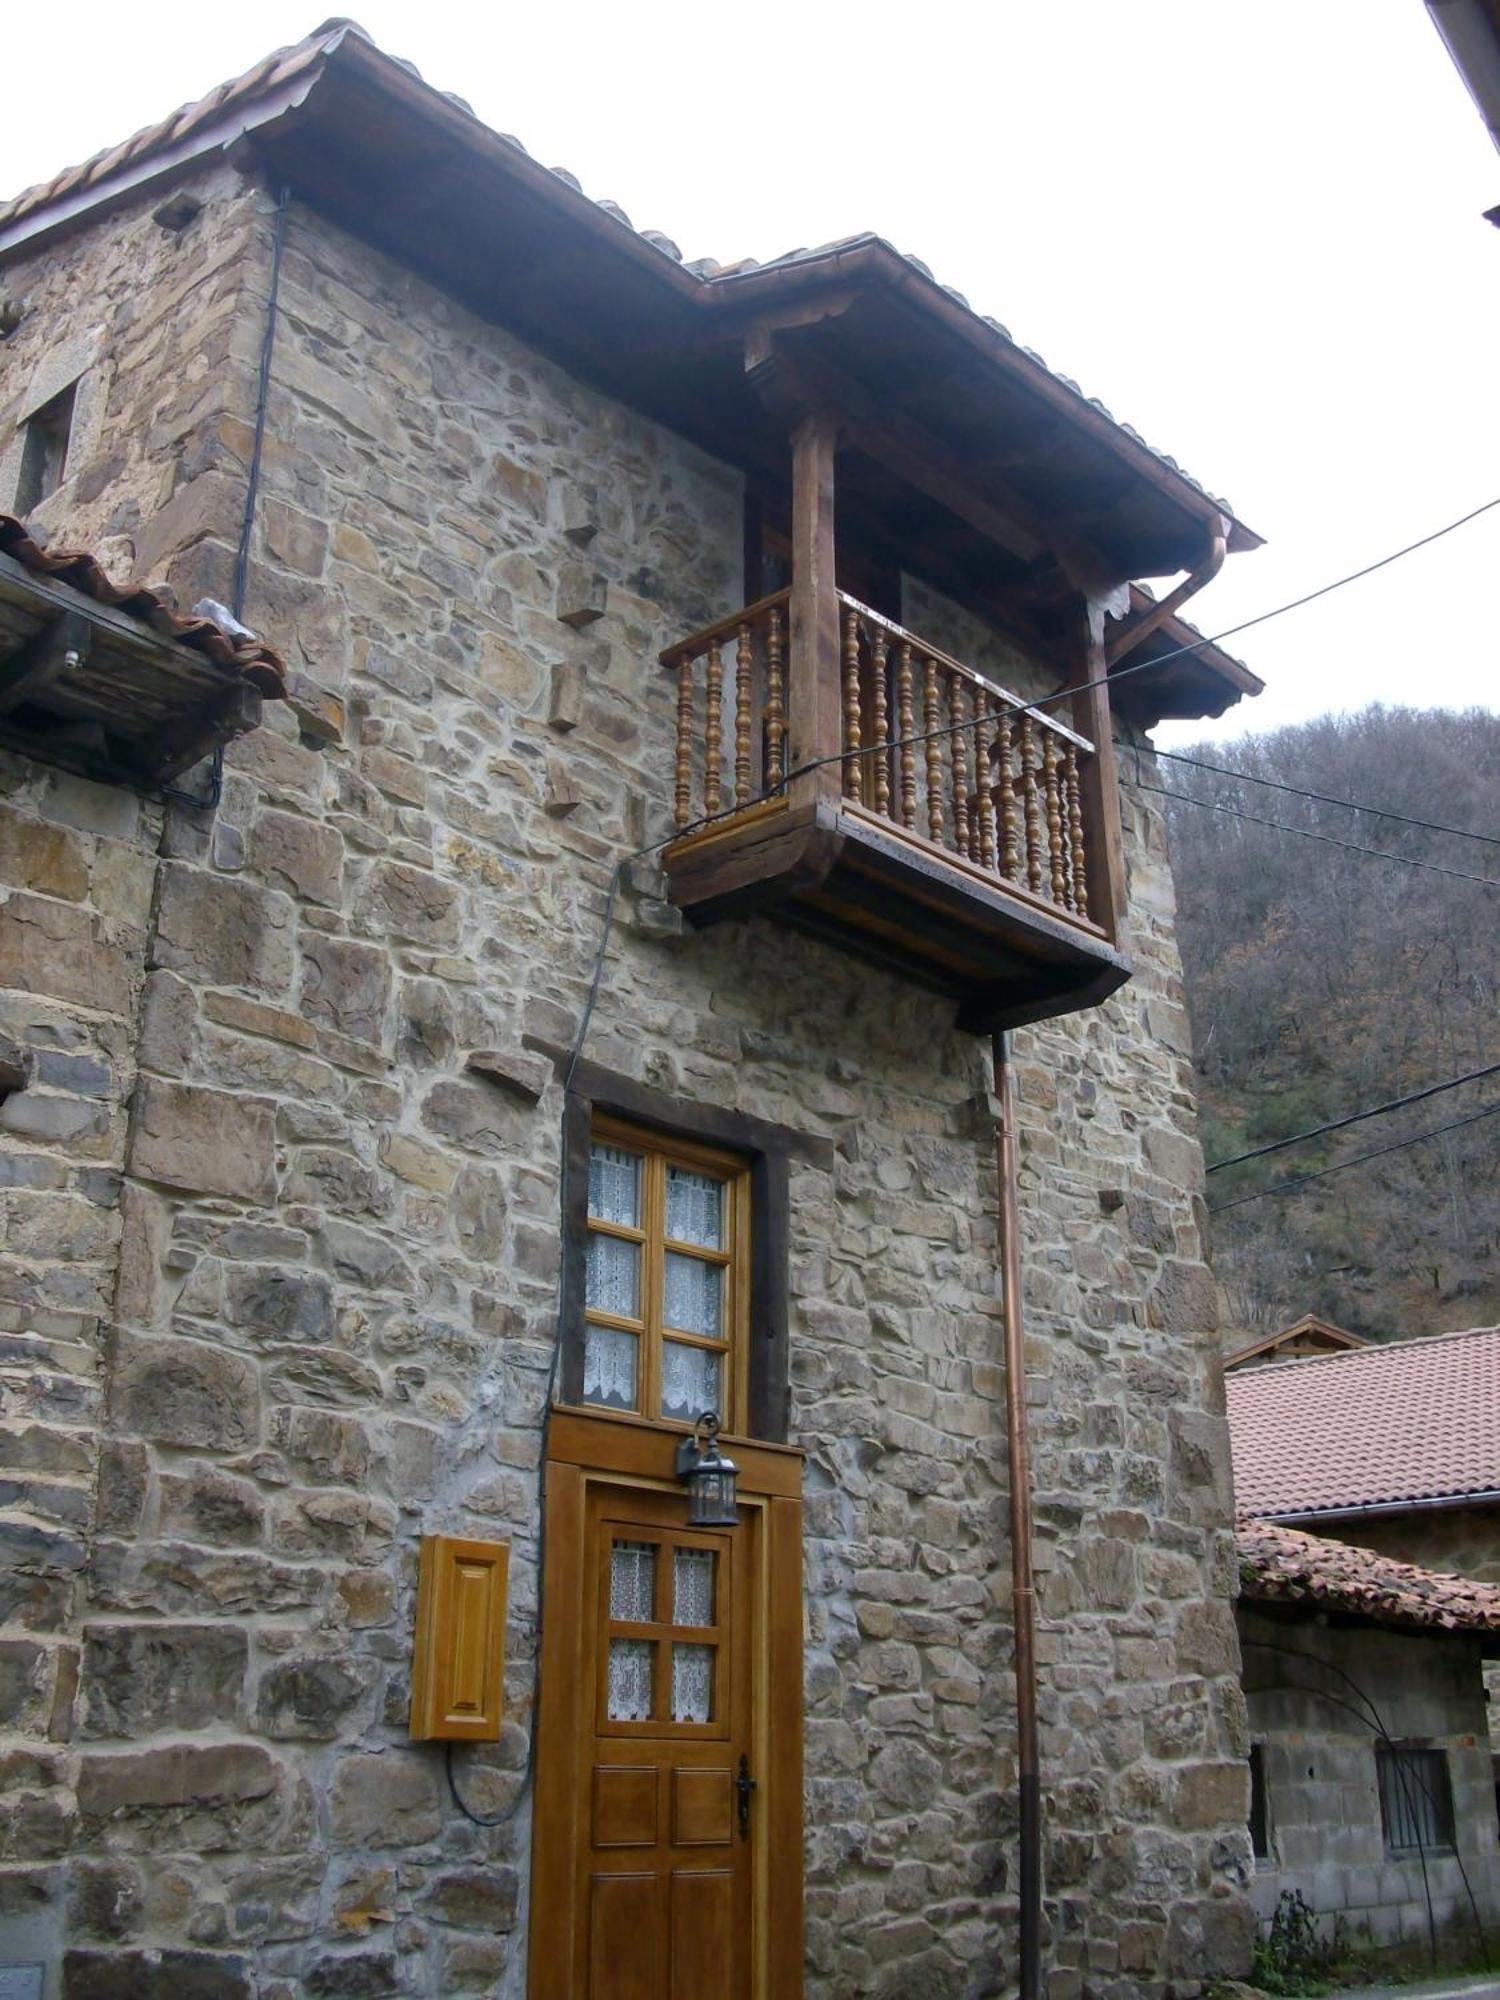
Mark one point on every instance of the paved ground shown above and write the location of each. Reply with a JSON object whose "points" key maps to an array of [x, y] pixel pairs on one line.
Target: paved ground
{"points": [[1485, 1987]]}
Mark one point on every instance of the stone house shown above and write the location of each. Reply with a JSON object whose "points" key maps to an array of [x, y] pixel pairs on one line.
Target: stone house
{"points": [[400, 1122], [1372, 1795]]}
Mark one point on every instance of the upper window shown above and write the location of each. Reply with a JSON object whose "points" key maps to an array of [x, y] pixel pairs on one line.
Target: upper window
{"points": [[1416, 1798], [44, 450], [667, 1285]]}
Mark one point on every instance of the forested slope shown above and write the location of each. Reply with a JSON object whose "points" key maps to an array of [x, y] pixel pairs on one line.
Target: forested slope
{"points": [[1321, 981]]}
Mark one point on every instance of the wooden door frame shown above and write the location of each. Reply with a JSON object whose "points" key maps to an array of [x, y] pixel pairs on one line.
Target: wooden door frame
{"points": [[592, 1449]]}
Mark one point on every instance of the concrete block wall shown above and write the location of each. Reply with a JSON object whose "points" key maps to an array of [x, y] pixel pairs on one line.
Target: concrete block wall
{"points": [[1302, 1679]]}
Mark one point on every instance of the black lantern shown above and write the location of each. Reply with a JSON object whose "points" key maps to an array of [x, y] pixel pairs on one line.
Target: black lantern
{"points": [[709, 1478]]}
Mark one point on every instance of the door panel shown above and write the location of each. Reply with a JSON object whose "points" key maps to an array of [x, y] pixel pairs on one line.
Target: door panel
{"points": [[702, 1808], [664, 1713], [644, 1878], [625, 1941], [625, 1806], [702, 1941]]}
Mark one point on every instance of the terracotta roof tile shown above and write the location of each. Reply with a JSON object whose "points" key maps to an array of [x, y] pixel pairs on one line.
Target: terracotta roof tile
{"points": [[279, 66], [261, 665], [284, 64], [1283, 1565], [1380, 1425]]}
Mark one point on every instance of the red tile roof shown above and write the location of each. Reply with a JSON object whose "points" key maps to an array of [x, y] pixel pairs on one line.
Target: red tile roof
{"points": [[277, 68], [293, 71], [1401, 1421], [261, 665], [1283, 1565]]}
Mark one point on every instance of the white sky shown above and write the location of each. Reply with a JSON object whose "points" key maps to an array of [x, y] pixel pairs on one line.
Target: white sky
{"points": [[1252, 227]]}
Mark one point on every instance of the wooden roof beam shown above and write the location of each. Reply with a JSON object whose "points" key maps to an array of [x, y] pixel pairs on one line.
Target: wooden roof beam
{"points": [[790, 380]]}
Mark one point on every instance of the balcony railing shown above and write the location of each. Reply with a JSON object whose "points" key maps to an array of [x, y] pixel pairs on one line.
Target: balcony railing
{"points": [[941, 752], [946, 756], [733, 753], [896, 801]]}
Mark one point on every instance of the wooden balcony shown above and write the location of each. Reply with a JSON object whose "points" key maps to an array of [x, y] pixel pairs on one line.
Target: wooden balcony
{"points": [[864, 784]]}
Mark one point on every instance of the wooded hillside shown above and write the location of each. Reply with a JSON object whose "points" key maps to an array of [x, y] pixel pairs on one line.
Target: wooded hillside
{"points": [[1321, 981]]}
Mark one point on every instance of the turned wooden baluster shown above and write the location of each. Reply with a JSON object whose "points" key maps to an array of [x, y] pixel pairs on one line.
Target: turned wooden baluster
{"points": [[713, 749], [1029, 807], [984, 791], [958, 703], [1056, 848], [775, 704], [906, 724], [882, 729], [744, 665], [1005, 789], [683, 802], [932, 722], [854, 777], [1075, 831]]}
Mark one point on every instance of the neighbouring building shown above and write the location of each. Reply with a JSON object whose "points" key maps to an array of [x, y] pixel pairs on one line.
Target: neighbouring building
{"points": [[518, 833], [1372, 1794], [1394, 1446], [1308, 1335], [1389, 1455]]}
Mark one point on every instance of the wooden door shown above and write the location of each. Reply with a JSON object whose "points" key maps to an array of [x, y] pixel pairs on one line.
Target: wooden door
{"points": [[663, 1896], [671, 1670]]}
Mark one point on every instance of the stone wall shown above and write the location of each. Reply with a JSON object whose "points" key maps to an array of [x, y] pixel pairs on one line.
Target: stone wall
{"points": [[1465, 1540], [1323, 1805], [326, 1327]]}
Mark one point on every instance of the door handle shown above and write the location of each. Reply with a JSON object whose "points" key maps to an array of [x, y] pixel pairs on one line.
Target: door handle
{"points": [[744, 1785]]}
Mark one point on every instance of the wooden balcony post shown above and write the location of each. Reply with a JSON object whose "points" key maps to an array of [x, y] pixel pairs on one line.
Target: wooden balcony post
{"points": [[814, 686], [1100, 784]]}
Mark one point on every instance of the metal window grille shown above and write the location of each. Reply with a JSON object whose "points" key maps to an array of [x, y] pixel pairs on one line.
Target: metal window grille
{"points": [[1416, 1798]]}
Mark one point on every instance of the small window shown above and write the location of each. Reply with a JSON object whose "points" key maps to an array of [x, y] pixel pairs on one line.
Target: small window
{"points": [[1260, 1819], [667, 1276], [44, 450], [1416, 1798]]}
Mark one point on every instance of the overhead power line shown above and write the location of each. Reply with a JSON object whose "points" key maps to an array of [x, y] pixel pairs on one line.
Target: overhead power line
{"points": [[1359, 1159], [1307, 833], [1327, 799], [1355, 1118], [1338, 583], [1113, 676]]}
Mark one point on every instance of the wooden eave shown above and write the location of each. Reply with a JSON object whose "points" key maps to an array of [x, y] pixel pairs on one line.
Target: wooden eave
{"points": [[1195, 678], [93, 690], [363, 140]]}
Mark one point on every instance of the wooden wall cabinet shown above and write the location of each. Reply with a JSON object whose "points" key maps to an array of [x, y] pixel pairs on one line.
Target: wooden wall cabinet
{"points": [[459, 1659]]}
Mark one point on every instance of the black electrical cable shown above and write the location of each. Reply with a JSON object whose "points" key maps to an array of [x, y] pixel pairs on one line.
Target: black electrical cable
{"points": [[1326, 799], [1116, 674], [1359, 1159], [1355, 1118], [1307, 833], [696, 826], [1371, 1716], [209, 799], [262, 399], [1295, 604], [575, 1055]]}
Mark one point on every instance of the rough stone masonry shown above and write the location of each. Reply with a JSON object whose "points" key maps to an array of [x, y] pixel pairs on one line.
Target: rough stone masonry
{"points": [[280, 1268]]}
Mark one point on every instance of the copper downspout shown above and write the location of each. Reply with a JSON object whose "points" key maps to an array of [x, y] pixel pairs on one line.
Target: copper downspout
{"points": [[1023, 1583]]}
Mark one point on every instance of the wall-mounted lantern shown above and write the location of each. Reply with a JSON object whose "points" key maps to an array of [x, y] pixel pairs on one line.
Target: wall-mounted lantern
{"points": [[709, 1478]]}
